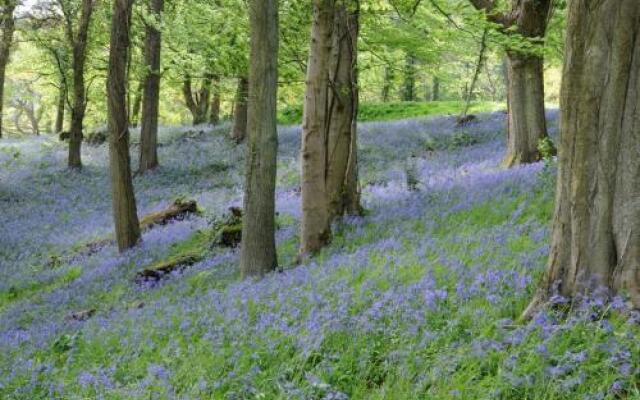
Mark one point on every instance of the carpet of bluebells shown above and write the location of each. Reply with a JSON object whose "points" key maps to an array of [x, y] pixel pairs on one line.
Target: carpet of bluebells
{"points": [[418, 299]]}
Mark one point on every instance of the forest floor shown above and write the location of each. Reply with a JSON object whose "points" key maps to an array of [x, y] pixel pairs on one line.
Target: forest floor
{"points": [[419, 299]]}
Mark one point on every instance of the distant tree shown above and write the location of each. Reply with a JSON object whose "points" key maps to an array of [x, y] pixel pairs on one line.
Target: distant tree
{"points": [[214, 109], [409, 78], [124, 202], [197, 102], [151, 95], [527, 121], [596, 229], [258, 254], [77, 18], [239, 130], [7, 25]]}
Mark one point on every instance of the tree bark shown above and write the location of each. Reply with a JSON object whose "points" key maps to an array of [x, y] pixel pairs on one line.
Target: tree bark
{"points": [[258, 254], [386, 84], [596, 229], [435, 89], [78, 40], [343, 107], [137, 104], [151, 96], [315, 231], [214, 112], [239, 131], [125, 215], [8, 26]]}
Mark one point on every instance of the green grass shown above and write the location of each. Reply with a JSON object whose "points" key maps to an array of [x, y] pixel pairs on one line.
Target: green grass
{"points": [[398, 110]]}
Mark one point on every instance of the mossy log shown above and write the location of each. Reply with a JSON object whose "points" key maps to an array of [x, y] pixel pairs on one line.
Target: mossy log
{"points": [[177, 211], [228, 233], [157, 271]]}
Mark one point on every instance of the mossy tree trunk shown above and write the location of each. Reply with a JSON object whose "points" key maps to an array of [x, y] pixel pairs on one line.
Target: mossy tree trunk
{"points": [[258, 253], [198, 102], [596, 228], [151, 89], [125, 215]]}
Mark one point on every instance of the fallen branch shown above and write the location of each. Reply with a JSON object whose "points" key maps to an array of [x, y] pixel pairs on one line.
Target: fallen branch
{"points": [[164, 268]]}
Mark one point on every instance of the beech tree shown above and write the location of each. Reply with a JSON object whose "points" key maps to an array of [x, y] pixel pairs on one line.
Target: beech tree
{"points": [[596, 228], [124, 202], [258, 253], [527, 121], [7, 25], [151, 95], [328, 156]]}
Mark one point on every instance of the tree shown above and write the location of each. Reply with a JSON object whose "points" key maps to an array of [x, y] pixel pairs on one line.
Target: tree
{"points": [[258, 253], [198, 103], [151, 96], [316, 232], [7, 24], [341, 176], [124, 202], [214, 112], [77, 36], [596, 229], [527, 121]]}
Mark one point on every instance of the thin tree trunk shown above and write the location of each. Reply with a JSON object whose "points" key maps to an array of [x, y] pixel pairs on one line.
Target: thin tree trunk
{"points": [[386, 85], [435, 89], [316, 231], [476, 74], [137, 103], [343, 102], [239, 131], [151, 96], [409, 84], [125, 216], [78, 40], [214, 112], [62, 101], [258, 254], [596, 229], [8, 26]]}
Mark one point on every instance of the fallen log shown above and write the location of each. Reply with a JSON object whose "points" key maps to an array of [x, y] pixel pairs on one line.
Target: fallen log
{"points": [[228, 232], [177, 211], [164, 268]]}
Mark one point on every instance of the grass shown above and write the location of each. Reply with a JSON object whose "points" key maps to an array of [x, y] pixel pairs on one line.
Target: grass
{"points": [[398, 110]]}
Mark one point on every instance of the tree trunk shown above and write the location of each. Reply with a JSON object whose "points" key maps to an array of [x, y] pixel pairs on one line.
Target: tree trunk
{"points": [[258, 253], [596, 230], [239, 131], [125, 215], [435, 89], [316, 231], [476, 74], [78, 41], [343, 102], [198, 103], [151, 96], [214, 112], [62, 101], [135, 107], [8, 26], [409, 84], [527, 121]]}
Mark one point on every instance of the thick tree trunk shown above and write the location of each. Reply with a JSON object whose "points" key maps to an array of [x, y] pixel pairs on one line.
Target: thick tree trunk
{"points": [[315, 212], [214, 112], [596, 230], [62, 101], [151, 96], [527, 121], [409, 83], [343, 103], [239, 131], [258, 253], [7, 23], [125, 215]]}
